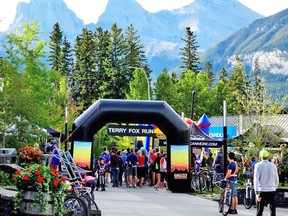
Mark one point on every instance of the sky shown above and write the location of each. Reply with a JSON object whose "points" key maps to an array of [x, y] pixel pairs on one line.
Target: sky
{"points": [[89, 10]]}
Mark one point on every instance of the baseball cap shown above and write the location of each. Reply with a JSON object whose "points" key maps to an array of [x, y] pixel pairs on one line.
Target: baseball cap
{"points": [[264, 153]]}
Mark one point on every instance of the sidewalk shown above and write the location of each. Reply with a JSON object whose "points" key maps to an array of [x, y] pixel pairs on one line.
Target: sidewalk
{"points": [[147, 201]]}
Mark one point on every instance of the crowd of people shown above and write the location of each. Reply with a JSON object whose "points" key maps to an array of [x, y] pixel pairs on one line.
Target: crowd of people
{"points": [[134, 167]]}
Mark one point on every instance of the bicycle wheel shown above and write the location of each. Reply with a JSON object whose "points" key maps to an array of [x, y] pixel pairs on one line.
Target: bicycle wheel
{"points": [[207, 176], [217, 179], [198, 182], [220, 203], [227, 201], [75, 206], [248, 198], [92, 206]]}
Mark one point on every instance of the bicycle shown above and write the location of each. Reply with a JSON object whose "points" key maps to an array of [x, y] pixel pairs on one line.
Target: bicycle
{"points": [[75, 206], [198, 180], [101, 180], [217, 177], [225, 199], [249, 198], [79, 191]]}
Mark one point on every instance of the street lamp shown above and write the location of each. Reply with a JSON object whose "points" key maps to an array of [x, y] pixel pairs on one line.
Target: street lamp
{"points": [[148, 85]]}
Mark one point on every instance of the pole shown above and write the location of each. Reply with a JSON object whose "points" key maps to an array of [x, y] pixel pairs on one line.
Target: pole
{"points": [[192, 105], [225, 135], [148, 85], [66, 128]]}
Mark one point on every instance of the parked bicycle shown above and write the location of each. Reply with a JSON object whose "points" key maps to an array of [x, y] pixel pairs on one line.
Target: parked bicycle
{"points": [[225, 199], [217, 177], [249, 198], [79, 191], [201, 179]]}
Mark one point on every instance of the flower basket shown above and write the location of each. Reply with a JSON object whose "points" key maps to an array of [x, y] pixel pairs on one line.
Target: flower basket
{"points": [[29, 155], [44, 186]]}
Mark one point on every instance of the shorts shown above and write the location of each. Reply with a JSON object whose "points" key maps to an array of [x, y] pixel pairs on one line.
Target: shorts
{"points": [[128, 171], [233, 186], [163, 176], [141, 172]]}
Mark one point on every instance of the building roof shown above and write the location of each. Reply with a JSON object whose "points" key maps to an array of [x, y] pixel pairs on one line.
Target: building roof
{"points": [[277, 123]]}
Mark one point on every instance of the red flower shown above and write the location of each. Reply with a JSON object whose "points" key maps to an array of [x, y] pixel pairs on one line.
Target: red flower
{"points": [[37, 173], [28, 169], [38, 158], [40, 179], [39, 167], [53, 170], [25, 178], [56, 175], [63, 179], [18, 172], [55, 183], [30, 159]]}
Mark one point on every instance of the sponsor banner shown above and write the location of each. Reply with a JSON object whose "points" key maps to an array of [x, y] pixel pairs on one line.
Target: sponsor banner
{"points": [[206, 144], [118, 130], [217, 132]]}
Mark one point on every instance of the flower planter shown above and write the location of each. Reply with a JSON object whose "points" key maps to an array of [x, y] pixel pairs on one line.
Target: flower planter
{"points": [[30, 207]]}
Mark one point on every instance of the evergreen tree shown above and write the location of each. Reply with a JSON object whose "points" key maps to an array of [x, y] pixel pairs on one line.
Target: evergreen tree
{"points": [[236, 85], [209, 72], [55, 44], [84, 85], [137, 86], [66, 59], [223, 76], [189, 53], [116, 85]]}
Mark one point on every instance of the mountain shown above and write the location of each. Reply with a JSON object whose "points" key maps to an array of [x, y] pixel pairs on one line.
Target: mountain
{"points": [[265, 39], [161, 32], [47, 13]]}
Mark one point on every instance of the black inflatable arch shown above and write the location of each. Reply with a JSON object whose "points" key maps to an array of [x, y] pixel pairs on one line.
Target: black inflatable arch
{"points": [[131, 111]]}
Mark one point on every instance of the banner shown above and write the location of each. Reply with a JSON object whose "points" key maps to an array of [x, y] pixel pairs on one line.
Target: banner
{"points": [[82, 154], [118, 130]]}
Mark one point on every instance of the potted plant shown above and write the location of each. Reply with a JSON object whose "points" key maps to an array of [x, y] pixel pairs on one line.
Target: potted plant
{"points": [[29, 155], [40, 189]]}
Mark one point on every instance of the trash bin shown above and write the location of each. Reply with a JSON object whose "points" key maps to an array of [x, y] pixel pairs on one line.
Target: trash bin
{"points": [[7, 155]]}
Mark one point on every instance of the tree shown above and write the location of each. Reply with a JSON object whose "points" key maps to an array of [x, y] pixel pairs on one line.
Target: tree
{"points": [[165, 89], [55, 44], [223, 76], [84, 78], [138, 86], [30, 87], [189, 52], [116, 82], [209, 73], [236, 85]]}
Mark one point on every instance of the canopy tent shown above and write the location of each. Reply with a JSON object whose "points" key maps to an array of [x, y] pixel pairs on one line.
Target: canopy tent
{"points": [[199, 139], [55, 133]]}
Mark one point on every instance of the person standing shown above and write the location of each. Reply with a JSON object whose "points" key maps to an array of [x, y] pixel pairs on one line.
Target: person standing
{"points": [[114, 163], [266, 181], [219, 161], [231, 175]]}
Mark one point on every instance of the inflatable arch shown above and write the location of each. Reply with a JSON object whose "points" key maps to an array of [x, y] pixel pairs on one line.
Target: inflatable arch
{"points": [[146, 112]]}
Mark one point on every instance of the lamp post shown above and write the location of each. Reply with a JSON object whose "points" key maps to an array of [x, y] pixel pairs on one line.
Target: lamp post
{"points": [[148, 85]]}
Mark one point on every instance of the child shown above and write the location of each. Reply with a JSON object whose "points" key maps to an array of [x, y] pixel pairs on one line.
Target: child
{"points": [[101, 169]]}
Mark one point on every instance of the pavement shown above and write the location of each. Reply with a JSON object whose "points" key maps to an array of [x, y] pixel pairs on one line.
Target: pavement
{"points": [[147, 201]]}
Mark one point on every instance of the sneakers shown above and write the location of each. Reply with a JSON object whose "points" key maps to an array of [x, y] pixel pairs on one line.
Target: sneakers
{"points": [[232, 211], [156, 188]]}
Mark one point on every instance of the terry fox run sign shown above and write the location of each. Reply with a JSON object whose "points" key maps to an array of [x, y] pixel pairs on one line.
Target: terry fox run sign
{"points": [[118, 130]]}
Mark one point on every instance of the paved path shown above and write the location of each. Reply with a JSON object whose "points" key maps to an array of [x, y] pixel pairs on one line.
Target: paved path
{"points": [[147, 201]]}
